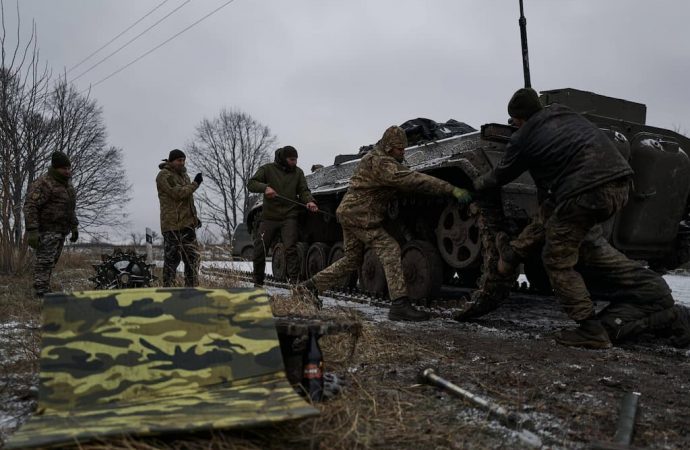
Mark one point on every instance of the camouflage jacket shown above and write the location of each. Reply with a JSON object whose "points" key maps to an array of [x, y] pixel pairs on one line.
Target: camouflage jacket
{"points": [[564, 152], [288, 183], [175, 194], [51, 205], [375, 182]]}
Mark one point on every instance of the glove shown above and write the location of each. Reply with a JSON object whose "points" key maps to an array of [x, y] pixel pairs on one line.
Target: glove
{"points": [[75, 235], [462, 195], [32, 238], [198, 178]]}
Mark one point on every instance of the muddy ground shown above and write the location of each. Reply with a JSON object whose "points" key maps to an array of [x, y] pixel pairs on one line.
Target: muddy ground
{"points": [[570, 396]]}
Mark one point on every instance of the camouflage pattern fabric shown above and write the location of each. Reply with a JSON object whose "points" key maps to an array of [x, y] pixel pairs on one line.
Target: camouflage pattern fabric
{"points": [[268, 229], [376, 180], [175, 194], [640, 299], [181, 246], [47, 254], [355, 241], [152, 361], [565, 231], [50, 205]]}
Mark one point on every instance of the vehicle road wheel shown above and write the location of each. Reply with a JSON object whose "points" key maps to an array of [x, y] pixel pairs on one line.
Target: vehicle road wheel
{"points": [[337, 252], [422, 269], [372, 278], [317, 258], [247, 253], [278, 263]]}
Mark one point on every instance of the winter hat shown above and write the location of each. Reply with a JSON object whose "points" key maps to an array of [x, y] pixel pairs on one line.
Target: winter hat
{"points": [[289, 151], [176, 154], [524, 104], [59, 160]]}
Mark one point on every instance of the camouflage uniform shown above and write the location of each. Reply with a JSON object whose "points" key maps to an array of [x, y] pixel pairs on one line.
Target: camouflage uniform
{"points": [[361, 213], [50, 209], [178, 223], [640, 300], [278, 215]]}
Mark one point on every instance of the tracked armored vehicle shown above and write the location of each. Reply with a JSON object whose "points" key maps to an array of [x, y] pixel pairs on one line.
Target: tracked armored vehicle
{"points": [[444, 242]]}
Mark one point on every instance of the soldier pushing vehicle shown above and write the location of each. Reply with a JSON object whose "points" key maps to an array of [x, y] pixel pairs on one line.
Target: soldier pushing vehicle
{"points": [[584, 181], [377, 178], [50, 214]]}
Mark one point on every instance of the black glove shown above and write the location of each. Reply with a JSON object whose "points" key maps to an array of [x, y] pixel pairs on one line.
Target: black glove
{"points": [[198, 178], [75, 235]]}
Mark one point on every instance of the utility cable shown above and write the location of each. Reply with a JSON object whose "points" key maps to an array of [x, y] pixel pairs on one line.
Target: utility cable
{"points": [[159, 45], [116, 37], [129, 42]]}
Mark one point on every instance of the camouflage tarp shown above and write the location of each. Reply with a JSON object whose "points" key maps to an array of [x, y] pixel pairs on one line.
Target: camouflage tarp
{"points": [[151, 361]]}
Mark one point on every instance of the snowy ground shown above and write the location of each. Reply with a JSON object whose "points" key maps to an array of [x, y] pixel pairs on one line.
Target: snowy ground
{"points": [[516, 329]]}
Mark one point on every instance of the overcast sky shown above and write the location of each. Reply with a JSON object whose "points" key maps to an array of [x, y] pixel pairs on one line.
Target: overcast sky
{"points": [[328, 76]]}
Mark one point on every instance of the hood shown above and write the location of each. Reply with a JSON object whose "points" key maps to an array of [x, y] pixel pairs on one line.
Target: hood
{"points": [[392, 138], [166, 165], [281, 159]]}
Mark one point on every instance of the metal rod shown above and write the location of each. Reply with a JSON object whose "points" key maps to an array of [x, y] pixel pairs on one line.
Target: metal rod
{"points": [[626, 418], [325, 213], [429, 376], [525, 53]]}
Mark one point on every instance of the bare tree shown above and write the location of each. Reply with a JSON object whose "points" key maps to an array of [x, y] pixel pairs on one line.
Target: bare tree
{"points": [[36, 119], [23, 132], [228, 149], [137, 239], [98, 173]]}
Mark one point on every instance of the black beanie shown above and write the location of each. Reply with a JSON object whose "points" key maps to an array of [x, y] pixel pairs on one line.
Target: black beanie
{"points": [[289, 151], [59, 160], [524, 104], [176, 154]]}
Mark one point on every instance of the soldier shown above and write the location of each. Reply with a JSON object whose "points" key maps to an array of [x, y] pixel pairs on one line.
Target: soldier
{"points": [[379, 175], [585, 180], [282, 183], [179, 219], [50, 213]]}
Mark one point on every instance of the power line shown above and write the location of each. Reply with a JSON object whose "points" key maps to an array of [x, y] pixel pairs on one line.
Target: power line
{"points": [[116, 37], [128, 42], [160, 45]]}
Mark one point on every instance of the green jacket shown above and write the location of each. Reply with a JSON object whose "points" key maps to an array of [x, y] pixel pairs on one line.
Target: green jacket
{"points": [[287, 183], [375, 182], [175, 193], [50, 204]]}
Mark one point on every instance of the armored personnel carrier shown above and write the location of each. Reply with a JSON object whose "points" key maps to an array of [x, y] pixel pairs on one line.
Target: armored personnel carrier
{"points": [[442, 241]]}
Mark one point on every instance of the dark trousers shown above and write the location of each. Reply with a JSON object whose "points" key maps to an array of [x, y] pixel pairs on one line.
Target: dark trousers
{"points": [[181, 246], [267, 232], [47, 255]]}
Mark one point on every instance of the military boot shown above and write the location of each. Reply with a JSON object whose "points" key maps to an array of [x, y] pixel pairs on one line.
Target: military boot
{"points": [[402, 309], [508, 260], [589, 334]]}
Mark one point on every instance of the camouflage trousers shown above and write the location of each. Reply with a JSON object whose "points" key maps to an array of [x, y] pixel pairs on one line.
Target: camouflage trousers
{"points": [[356, 240], [180, 246], [267, 232], [580, 261], [47, 254]]}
